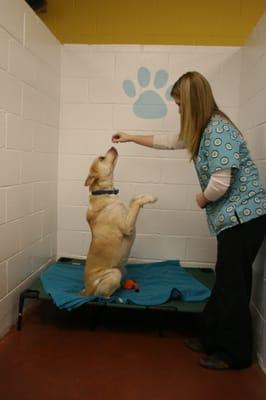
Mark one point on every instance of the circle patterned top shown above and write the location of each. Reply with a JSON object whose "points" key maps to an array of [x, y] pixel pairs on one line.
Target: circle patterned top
{"points": [[222, 146]]}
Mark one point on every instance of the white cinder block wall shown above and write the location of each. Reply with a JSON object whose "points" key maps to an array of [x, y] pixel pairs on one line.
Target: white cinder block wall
{"points": [[253, 121], [94, 106], [29, 116]]}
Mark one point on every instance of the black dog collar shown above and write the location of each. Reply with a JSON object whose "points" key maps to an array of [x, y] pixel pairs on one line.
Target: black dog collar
{"points": [[105, 191]]}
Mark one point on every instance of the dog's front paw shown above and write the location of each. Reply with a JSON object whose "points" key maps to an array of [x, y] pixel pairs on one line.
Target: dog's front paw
{"points": [[151, 198], [145, 199]]}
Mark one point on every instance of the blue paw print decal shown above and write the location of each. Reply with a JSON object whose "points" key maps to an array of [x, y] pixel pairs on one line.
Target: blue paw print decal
{"points": [[149, 103]]}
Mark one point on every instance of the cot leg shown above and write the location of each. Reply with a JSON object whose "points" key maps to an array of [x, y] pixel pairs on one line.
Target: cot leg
{"points": [[161, 324], [27, 294], [93, 321]]}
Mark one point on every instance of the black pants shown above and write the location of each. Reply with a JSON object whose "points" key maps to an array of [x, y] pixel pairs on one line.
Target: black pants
{"points": [[226, 327]]}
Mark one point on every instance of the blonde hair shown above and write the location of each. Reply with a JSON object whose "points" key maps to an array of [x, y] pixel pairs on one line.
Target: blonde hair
{"points": [[197, 105]]}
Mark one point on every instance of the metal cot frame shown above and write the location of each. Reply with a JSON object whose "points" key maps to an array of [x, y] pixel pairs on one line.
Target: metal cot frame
{"points": [[204, 275]]}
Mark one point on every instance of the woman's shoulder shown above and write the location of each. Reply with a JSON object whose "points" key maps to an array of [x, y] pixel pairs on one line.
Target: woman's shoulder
{"points": [[220, 125], [219, 120]]}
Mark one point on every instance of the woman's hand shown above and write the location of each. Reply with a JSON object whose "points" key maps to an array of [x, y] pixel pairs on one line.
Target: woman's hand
{"points": [[143, 140], [201, 200], [121, 137]]}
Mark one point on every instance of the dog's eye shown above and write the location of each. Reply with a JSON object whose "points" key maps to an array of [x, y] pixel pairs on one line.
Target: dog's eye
{"points": [[101, 158]]}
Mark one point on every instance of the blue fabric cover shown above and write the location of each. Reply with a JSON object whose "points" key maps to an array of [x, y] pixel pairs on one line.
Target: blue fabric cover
{"points": [[158, 282]]}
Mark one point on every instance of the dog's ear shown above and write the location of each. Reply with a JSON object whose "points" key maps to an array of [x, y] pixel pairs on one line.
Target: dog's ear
{"points": [[90, 180]]}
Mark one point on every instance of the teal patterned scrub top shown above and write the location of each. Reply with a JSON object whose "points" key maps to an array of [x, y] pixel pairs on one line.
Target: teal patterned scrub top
{"points": [[222, 147]]}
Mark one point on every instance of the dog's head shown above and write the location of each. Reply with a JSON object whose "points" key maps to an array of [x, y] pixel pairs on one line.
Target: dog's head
{"points": [[101, 170]]}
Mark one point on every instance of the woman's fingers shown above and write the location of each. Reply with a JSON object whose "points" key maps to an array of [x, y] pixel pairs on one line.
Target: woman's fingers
{"points": [[115, 138], [119, 137]]}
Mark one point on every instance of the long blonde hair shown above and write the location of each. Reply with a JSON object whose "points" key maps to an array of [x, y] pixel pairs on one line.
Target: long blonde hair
{"points": [[197, 105]]}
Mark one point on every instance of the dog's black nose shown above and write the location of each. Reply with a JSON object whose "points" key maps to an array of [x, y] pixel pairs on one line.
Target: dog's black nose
{"points": [[113, 150]]}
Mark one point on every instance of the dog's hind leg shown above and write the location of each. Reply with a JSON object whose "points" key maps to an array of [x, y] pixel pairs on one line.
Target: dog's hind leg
{"points": [[109, 283], [89, 290]]}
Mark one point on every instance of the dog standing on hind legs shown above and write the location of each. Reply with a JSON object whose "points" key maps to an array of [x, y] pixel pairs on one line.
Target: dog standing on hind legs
{"points": [[112, 225]]}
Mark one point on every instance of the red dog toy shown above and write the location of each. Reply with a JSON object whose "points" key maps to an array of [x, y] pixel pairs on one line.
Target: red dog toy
{"points": [[131, 284]]}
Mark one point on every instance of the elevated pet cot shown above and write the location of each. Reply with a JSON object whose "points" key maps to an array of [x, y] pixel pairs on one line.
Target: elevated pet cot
{"points": [[164, 287]]}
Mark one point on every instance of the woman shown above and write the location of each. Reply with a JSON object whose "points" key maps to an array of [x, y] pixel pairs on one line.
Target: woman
{"points": [[235, 203]]}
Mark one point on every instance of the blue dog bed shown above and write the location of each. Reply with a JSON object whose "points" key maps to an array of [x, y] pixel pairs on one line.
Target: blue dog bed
{"points": [[159, 282]]}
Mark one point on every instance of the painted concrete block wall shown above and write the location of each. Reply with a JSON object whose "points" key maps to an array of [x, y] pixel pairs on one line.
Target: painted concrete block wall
{"points": [[94, 105], [29, 117], [253, 121]]}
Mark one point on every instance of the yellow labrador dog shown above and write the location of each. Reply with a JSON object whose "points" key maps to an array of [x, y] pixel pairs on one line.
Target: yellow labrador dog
{"points": [[112, 225]]}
